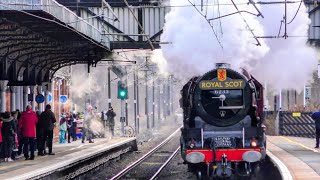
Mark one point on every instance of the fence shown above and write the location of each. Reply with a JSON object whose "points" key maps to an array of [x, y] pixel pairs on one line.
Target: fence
{"points": [[296, 124]]}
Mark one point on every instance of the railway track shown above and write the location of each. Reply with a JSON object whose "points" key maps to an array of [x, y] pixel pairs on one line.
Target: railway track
{"points": [[150, 165]]}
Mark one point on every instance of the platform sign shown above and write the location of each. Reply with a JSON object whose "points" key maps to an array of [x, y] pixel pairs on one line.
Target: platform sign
{"points": [[49, 98], [46, 86], [308, 92], [296, 114], [128, 131], [63, 99], [39, 98]]}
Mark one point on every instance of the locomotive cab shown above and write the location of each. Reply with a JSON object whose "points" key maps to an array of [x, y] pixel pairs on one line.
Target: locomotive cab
{"points": [[222, 134]]}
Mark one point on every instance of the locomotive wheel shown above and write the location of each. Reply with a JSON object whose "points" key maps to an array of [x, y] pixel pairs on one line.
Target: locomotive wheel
{"points": [[201, 175], [192, 168]]}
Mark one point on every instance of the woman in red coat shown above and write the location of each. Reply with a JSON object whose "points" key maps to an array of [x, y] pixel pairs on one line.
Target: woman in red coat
{"points": [[27, 125]]}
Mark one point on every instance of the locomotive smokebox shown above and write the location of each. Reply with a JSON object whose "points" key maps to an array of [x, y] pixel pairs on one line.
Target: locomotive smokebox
{"points": [[222, 65]]}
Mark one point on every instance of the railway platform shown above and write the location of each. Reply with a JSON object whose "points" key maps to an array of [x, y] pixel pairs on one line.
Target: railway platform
{"points": [[70, 160], [299, 160]]}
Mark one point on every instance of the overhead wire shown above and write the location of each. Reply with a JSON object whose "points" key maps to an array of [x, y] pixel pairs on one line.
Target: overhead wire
{"points": [[254, 5], [125, 57], [140, 66], [281, 22], [214, 32], [296, 13], [245, 21], [219, 14], [62, 25], [139, 24], [165, 6], [206, 8], [66, 26]]}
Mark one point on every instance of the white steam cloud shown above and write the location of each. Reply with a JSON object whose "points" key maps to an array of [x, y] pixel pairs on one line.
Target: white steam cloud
{"points": [[290, 62], [282, 63], [84, 83]]}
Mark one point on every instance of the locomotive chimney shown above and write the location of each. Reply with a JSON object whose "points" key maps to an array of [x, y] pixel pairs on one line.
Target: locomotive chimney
{"points": [[222, 65]]}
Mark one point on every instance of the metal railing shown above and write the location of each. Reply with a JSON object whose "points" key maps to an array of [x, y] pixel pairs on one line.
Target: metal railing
{"points": [[61, 13]]}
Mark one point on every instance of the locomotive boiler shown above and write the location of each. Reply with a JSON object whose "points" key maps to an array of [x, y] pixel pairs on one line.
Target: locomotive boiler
{"points": [[222, 134]]}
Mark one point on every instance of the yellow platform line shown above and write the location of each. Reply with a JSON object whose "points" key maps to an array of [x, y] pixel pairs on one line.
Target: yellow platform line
{"points": [[297, 143]]}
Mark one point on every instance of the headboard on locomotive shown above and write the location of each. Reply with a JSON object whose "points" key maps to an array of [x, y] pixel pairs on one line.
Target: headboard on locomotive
{"points": [[223, 97]]}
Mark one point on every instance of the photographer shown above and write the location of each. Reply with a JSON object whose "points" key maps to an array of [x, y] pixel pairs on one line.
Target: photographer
{"points": [[110, 118]]}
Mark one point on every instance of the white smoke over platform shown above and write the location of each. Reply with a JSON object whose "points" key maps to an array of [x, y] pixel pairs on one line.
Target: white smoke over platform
{"points": [[281, 63]]}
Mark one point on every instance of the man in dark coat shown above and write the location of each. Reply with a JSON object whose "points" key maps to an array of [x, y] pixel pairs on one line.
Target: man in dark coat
{"points": [[316, 116], [46, 123], [39, 133], [111, 114], [28, 121]]}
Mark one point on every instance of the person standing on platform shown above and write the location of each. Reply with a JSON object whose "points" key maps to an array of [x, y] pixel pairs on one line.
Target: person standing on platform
{"points": [[110, 118], [20, 136], [8, 131], [14, 115], [63, 129], [47, 122], [27, 126], [69, 126], [74, 126], [102, 119], [39, 132], [1, 141], [86, 125], [316, 116]]}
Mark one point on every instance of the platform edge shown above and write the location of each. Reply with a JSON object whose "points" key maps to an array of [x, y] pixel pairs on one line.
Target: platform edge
{"points": [[284, 171]]}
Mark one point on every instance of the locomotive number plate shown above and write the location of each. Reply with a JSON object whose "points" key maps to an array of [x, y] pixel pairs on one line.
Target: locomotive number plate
{"points": [[224, 142], [221, 92]]}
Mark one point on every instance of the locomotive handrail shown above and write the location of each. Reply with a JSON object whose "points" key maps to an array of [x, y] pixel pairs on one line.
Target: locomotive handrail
{"points": [[231, 107], [222, 97]]}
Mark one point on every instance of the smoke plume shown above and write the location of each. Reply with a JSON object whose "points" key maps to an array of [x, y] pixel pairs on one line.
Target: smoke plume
{"points": [[84, 83], [194, 49]]}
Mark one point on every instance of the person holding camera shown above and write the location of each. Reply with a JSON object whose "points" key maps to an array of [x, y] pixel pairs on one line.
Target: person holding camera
{"points": [[110, 118]]}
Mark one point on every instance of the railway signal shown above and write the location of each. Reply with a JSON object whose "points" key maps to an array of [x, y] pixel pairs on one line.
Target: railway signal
{"points": [[122, 90]]}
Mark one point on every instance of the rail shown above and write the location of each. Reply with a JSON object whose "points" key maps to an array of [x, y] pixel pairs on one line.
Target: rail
{"points": [[148, 154], [156, 175]]}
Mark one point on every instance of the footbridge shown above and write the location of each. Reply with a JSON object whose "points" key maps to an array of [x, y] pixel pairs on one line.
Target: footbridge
{"points": [[39, 37]]}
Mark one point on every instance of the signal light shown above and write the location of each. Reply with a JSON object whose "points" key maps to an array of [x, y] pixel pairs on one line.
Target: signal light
{"points": [[122, 90]]}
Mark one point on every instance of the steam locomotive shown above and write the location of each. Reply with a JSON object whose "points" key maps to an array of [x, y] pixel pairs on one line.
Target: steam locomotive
{"points": [[222, 134]]}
